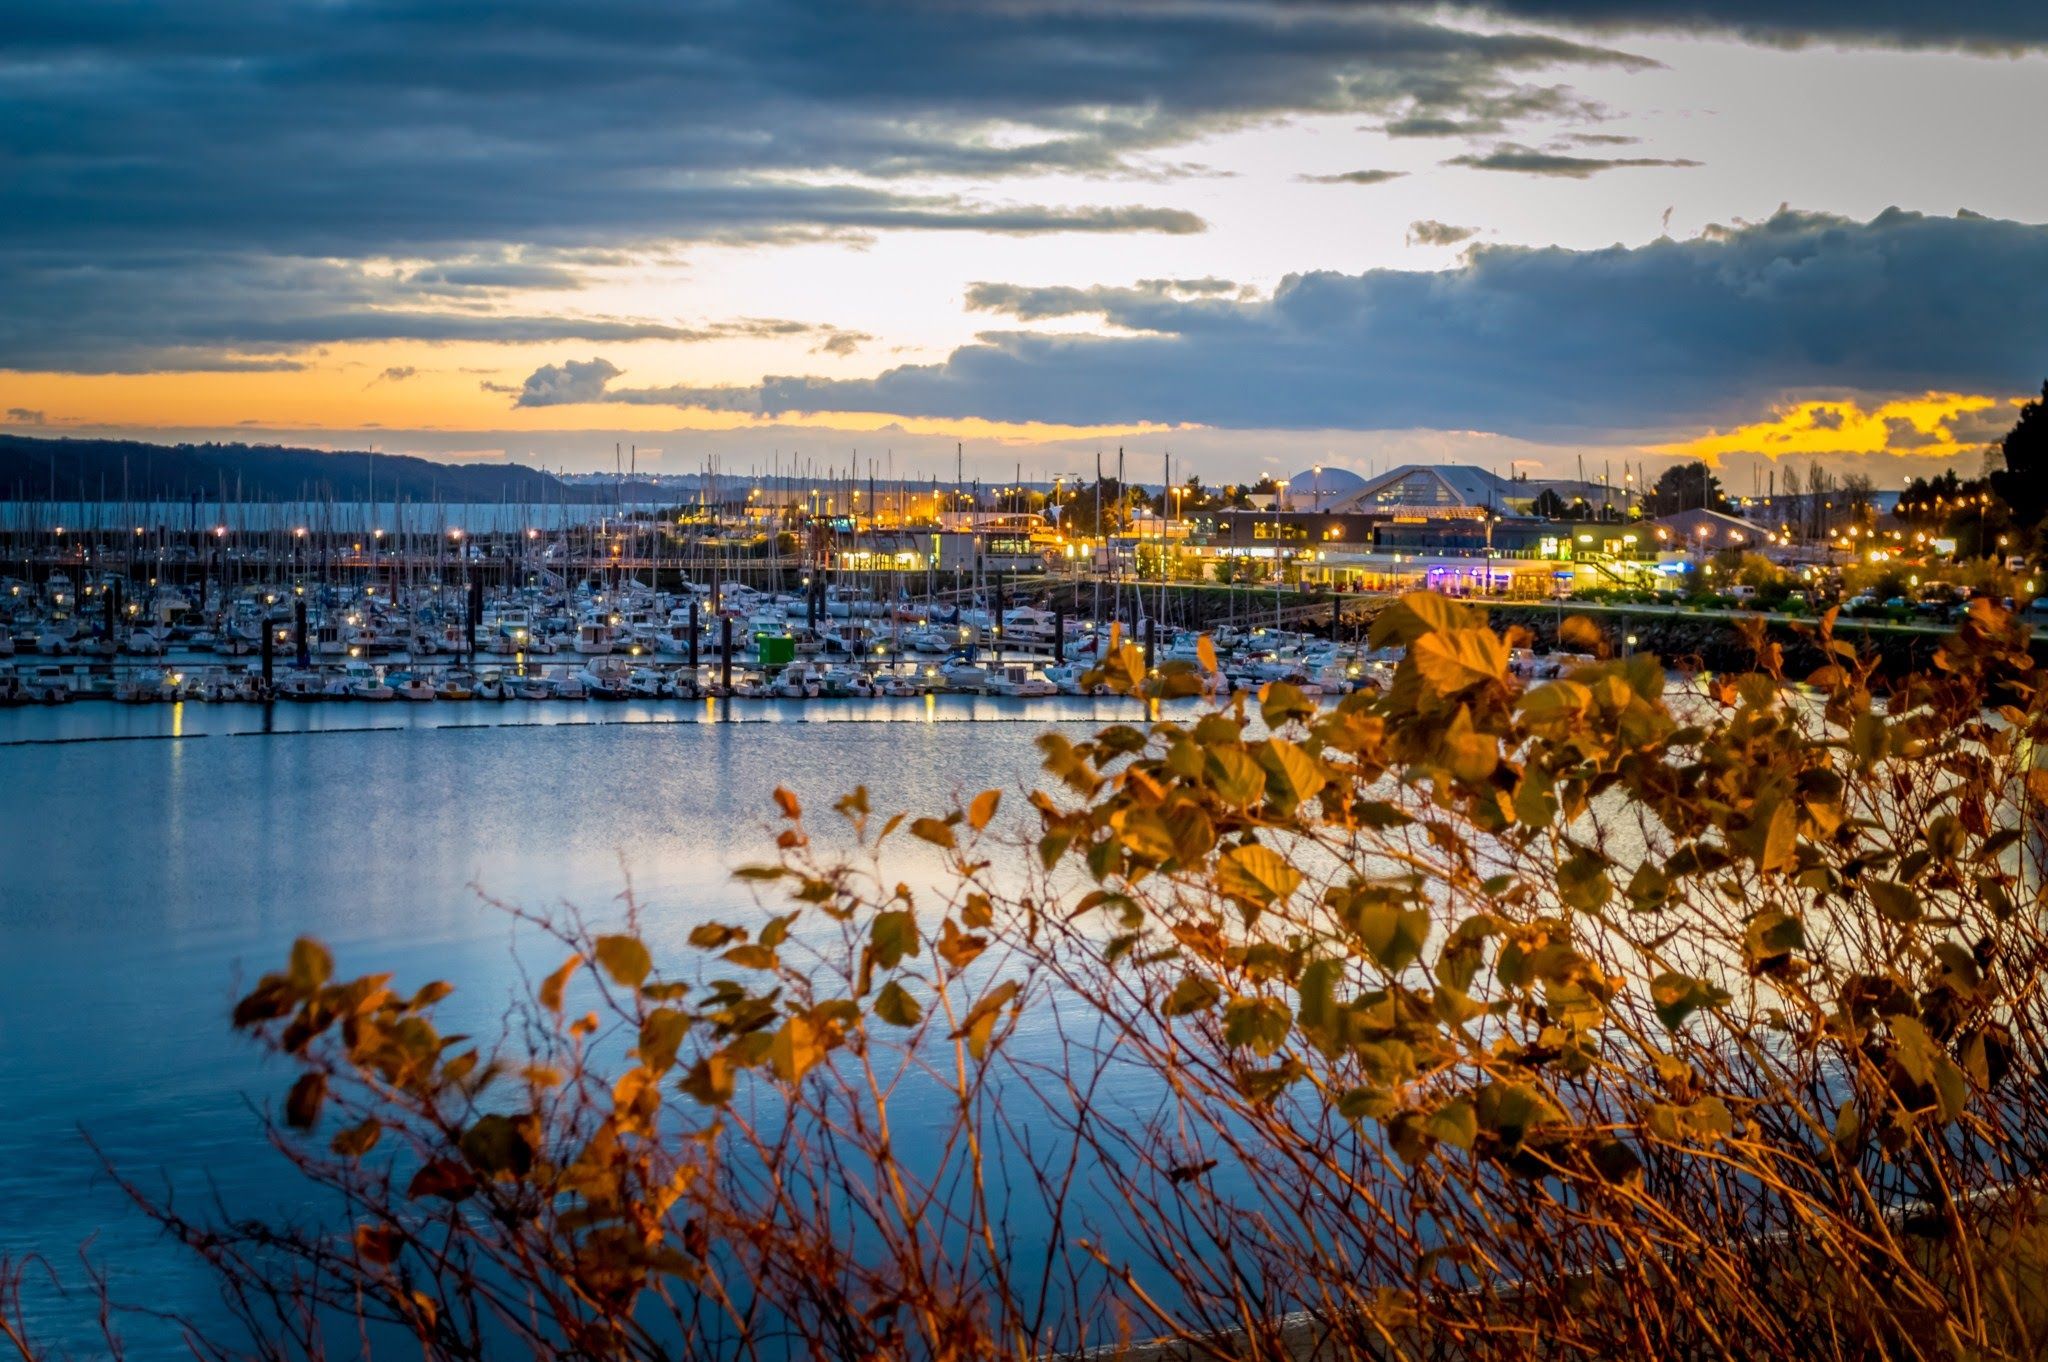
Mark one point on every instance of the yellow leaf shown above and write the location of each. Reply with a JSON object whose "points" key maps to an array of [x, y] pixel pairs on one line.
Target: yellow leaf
{"points": [[1205, 652], [1301, 772], [983, 808], [552, 986], [1459, 659], [312, 966], [796, 1050], [787, 803], [625, 958], [1256, 874]]}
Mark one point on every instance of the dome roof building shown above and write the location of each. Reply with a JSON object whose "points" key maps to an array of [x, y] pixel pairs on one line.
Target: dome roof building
{"points": [[1318, 489]]}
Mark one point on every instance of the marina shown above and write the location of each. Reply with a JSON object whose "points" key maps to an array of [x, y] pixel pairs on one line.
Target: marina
{"points": [[308, 640]]}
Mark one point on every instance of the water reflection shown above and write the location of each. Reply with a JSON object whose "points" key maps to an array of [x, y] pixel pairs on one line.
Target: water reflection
{"points": [[141, 880]]}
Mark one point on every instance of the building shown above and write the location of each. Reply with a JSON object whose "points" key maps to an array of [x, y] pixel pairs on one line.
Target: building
{"points": [[1417, 491], [1319, 488], [1704, 531]]}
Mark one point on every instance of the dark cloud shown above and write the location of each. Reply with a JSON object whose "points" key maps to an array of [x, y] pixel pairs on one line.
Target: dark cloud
{"points": [[1522, 160], [26, 416], [1447, 111], [1428, 232], [1901, 433], [1353, 177], [1987, 425], [571, 381], [1540, 343], [508, 146], [397, 373], [835, 342], [1148, 305], [1981, 24], [227, 313], [1826, 418], [495, 276]]}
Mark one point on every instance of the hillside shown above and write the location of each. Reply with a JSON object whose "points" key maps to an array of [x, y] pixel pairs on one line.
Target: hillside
{"points": [[91, 470]]}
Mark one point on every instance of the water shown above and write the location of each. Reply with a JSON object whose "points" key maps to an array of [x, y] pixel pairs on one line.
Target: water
{"points": [[153, 861]]}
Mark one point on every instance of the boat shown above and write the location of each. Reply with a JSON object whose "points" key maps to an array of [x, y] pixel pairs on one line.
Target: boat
{"points": [[797, 682], [1019, 679], [456, 685], [846, 682], [363, 682], [605, 679], [301, 685], [46, 686], [413, 686], [963, 675], [649, 683]]}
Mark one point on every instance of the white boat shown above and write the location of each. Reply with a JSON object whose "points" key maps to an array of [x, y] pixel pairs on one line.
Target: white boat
{"points": [[593, 639], [46, 685], [361, 681], [1029, 624], [413, 686], [301, 685], [1020, 679], [649, 683], [966, 676], [902, 685], [1066, 679], [605, 678], [846, 681], [796, 682]]}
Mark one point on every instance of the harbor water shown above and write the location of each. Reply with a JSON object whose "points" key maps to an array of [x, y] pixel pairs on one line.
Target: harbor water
{"points": [[155, 860]]}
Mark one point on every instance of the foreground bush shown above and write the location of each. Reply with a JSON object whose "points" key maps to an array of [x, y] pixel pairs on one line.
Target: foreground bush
{"points": [[1464, 1020]]}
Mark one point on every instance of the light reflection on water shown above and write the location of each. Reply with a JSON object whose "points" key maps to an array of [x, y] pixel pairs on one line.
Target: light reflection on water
{"points": [[142, 880]]}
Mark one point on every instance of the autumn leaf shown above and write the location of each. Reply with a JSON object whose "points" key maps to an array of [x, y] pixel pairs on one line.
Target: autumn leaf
{"points": [[1256, 874], [625, 959], [895, 1005], [1458, 660], [302, 1105]]}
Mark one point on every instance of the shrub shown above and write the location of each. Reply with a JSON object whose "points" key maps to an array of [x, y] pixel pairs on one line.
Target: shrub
{"points": [[1599, 1017]]}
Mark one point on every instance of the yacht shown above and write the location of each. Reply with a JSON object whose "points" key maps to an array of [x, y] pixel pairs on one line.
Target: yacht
{"points": [[413, 686], [1020, 679]]}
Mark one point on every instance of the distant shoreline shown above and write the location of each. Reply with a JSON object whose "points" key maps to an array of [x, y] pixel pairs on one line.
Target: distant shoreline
{"points": [[71, 469]]}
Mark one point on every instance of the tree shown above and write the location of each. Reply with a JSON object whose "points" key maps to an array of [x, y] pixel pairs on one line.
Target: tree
{"points": [[1655, 1017], [1078, 508], [1686, 487], [1549, 505], [2023, 483]]}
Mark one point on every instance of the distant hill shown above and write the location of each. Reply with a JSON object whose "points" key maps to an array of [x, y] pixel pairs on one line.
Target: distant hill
{"points": [[91, 470]]}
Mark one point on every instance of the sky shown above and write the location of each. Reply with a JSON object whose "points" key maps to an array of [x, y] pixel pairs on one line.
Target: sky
{"points": [[1538, 236]]}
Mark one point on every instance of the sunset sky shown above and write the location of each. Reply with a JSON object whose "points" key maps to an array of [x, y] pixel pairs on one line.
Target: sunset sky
{"points": [[1259, 235]]}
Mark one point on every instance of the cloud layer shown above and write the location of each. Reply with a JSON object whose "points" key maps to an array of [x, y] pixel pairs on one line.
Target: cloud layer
{"points": [[207, 184], [1537, 343], [1979, 24]]}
